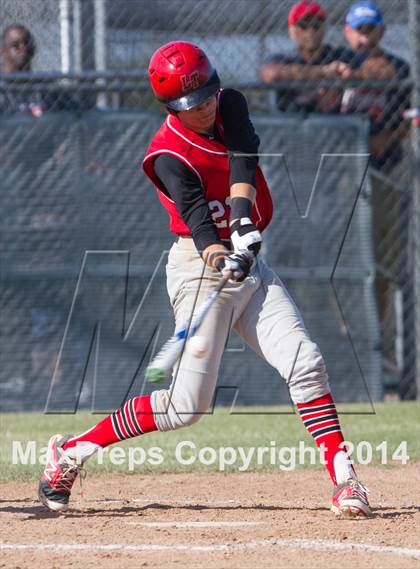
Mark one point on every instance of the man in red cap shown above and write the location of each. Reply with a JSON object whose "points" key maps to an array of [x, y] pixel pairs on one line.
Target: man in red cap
{"points": [[310, 60]]}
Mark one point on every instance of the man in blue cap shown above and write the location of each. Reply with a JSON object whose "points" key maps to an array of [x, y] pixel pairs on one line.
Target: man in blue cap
{"points": [[364, 31], [364, 26]]}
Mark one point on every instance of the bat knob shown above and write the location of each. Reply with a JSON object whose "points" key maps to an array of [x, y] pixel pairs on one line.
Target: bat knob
{"points": [[155, 375]]}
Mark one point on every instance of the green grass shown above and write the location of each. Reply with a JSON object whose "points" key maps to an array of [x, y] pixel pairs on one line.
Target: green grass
{"points": [[257, 427]]}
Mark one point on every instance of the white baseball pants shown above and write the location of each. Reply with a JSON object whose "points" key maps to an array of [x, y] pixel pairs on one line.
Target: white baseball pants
{"points": [[260, 310]]}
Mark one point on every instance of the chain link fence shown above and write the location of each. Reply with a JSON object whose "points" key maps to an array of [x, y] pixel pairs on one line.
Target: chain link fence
{"points": [[71, 183]]}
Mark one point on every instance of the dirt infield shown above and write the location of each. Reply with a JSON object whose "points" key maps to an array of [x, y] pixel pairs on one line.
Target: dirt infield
{"points": [[214, 520]]}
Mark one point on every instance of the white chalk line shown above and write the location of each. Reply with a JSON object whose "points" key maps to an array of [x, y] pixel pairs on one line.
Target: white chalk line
{"points": [[312, 544], [149, 499], [202, 504], [192, 525]]}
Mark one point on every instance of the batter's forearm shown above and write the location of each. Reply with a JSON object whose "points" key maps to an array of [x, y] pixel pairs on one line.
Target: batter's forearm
{"points": [[238, 209], [243, 190]]}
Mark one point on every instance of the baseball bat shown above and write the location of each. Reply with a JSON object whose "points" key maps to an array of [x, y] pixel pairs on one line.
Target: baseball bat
{"points": [[157, 371]]}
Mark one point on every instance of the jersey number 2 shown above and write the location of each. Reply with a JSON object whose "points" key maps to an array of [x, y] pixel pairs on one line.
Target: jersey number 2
{"points": [[218, 210]]}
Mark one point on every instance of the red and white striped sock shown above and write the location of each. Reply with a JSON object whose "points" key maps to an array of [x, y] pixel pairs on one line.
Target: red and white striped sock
{"points": [[134, 418], [321, 421]]}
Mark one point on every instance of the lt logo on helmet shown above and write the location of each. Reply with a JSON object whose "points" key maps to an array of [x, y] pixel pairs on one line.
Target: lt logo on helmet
{"points": [[190, 82]]}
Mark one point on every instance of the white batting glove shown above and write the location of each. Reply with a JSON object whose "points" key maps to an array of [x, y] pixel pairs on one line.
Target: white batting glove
{"points": [[245, 236]]}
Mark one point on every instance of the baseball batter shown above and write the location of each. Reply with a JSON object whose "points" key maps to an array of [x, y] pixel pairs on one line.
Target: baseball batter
{"points": [[203, 162]]}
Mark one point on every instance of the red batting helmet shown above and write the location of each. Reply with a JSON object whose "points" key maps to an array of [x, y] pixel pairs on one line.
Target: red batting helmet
{"points": [[182, 76]]}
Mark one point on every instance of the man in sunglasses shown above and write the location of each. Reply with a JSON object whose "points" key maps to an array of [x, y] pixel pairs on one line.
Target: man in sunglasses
{"points": [[364, 31], [312, 59]]}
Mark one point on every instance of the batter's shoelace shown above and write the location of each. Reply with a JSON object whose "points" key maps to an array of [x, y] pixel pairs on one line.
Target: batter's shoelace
{"points": [[69, 472], [358, 490]]}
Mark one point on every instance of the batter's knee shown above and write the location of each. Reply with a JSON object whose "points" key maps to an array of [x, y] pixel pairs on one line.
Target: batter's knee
{"points": [[309, 378], [175, 410]]}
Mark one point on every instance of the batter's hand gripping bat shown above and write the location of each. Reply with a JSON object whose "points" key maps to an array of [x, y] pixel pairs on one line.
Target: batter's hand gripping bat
{"points": [[165, 359]]}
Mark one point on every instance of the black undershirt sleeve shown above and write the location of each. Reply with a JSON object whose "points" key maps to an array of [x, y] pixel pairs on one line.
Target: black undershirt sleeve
{"points": [[184, 188], [239, 137]]}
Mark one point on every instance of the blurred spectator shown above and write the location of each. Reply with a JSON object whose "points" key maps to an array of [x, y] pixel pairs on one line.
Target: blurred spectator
{"points": [[364, 31], [310, 60], [45, 322], [17, 50]]}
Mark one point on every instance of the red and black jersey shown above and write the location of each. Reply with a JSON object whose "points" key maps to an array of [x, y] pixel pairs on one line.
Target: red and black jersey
{"points": [[208, 160]]}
